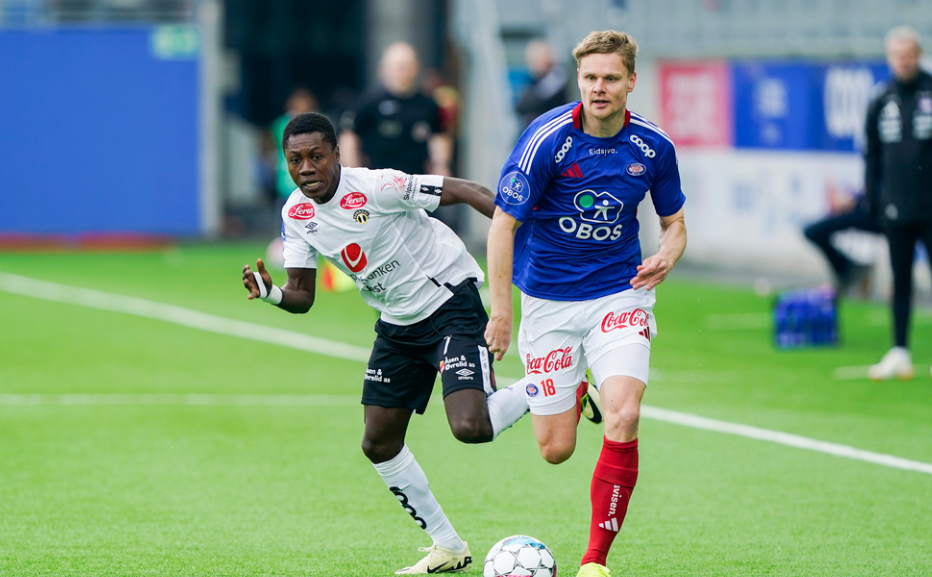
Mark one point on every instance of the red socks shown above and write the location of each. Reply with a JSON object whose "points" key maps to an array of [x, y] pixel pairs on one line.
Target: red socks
{"points": [[581, 390], [612, 483]]}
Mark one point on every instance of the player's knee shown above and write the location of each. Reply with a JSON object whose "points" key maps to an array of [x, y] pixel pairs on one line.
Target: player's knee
{"points": [[623, 422], [555, 453], [471, 430], [378, 451]]}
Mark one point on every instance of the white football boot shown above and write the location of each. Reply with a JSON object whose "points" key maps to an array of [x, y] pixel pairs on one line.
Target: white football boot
{"points": [[896, 363], [440, 560], [592, 404]]}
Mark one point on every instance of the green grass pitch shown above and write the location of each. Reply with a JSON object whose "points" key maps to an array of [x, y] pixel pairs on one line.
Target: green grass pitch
{"points": [[130, 486]]}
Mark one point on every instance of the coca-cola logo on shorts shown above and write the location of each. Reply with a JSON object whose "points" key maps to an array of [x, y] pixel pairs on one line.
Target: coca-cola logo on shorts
{"points": [[635, 318], [303, 211], [552, 361]]}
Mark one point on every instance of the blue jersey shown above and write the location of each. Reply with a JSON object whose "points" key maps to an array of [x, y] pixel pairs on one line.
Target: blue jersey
{"points": [[577, 197]]}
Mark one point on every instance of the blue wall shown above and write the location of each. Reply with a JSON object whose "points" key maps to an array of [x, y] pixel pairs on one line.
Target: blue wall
{"points": [[98, 134]]}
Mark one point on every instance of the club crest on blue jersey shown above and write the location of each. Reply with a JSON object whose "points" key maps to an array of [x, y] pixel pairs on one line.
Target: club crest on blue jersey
{"points": [[514, 188], [600, 208], [636, 169]]}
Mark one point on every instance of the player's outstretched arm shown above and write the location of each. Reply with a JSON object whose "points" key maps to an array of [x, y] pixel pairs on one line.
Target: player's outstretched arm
{"points": [[297, 296], [501, 267], [654, 269], [457, 190]]}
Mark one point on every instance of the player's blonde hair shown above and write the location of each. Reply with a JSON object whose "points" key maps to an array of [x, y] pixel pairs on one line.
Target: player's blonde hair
{"points": [[608, 42]]}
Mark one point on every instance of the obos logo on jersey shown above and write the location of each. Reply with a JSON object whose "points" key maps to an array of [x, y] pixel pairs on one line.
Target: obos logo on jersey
{"points": [[303, 211], [514, 188], [354, 257], [353, 201], [599, 209]]}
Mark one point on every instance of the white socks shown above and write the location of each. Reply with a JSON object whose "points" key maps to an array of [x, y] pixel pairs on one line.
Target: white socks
{"points": [[506, 406], [407, 481]]}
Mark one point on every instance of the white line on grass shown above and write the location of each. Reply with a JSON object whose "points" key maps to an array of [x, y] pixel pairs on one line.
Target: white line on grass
{"points": [[191, 318], [129, 399], [787, 439], [179, 315]]}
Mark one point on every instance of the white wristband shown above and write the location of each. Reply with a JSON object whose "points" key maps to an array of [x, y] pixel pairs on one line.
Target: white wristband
{"points": [[273, 295]]}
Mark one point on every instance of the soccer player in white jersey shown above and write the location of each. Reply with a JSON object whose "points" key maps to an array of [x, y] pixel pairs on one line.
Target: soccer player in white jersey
{"points": [[565, 232], [373, 226]]}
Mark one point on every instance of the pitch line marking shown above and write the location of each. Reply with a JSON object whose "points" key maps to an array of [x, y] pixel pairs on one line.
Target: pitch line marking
{"points": [[179, 315], [187, 317]]}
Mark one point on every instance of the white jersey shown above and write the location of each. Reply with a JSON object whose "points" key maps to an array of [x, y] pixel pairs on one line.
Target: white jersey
{"points": [[375, 230]]}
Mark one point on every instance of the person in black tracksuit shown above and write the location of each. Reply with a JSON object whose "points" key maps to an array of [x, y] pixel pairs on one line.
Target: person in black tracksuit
{"points": [[898, 180], [857, 217]]}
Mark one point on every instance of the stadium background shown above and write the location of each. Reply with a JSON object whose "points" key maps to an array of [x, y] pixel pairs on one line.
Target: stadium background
{"points": [[129, 138]]}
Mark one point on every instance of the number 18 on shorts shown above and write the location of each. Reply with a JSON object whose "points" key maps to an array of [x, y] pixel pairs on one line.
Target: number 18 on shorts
{"points": [[559, 340]]}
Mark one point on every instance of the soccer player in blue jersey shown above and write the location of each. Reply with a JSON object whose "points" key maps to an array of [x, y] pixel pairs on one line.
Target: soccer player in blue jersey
{"points": [[565, 232]]}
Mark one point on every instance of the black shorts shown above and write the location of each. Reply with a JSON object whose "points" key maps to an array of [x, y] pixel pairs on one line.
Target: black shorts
{"points": [[405, 360]]}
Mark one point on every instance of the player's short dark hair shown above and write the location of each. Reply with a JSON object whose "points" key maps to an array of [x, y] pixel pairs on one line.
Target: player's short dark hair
{"points": [[308, 122]]}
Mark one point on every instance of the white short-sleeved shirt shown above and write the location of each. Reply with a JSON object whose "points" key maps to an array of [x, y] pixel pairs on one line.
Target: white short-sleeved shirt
{"points": [[375, 229]]}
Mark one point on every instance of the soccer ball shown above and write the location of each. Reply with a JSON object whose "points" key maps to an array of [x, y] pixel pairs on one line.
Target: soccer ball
{"points": [[519, 556]]}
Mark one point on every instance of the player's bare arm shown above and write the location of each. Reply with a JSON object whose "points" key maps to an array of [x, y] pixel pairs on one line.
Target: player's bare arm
{"points": [[457, 190], [654, 269], [440, 149], [297, 294], [500, 256], [350, 149]]}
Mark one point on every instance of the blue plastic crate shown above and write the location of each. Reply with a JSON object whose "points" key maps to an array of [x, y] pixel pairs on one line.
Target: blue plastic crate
{"points": [[805, 318]]}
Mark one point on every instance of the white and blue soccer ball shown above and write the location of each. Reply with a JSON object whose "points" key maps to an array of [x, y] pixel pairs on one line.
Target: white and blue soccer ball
{"points": [[519, 556]]}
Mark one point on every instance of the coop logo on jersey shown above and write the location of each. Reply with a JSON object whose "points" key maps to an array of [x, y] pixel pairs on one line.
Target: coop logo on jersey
{"points": [[648, 151], [514, 188], [567, 145], [531, 390], [353, 200], [354, 257], [303, 211], [361, 216], [635, 318], [552, 361], [636, 169]]}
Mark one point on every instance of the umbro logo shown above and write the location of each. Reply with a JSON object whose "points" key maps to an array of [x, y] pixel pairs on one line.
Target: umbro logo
{"points": [[610, 525], [572, 172], [311, 227], [464, 373], [645, 333]]}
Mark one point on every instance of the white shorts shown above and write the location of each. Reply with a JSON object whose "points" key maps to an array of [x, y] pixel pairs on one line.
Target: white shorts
{"points": [[558, 340]]}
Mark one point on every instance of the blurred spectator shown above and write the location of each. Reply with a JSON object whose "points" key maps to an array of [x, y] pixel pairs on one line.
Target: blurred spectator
{"points": [[549, 86], [300, 100], [855, 216], [898, 188], [398, 126], [446, 97]]}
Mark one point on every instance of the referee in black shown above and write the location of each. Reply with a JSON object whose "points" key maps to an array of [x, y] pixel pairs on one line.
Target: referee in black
{"points": [[898, 180]]}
